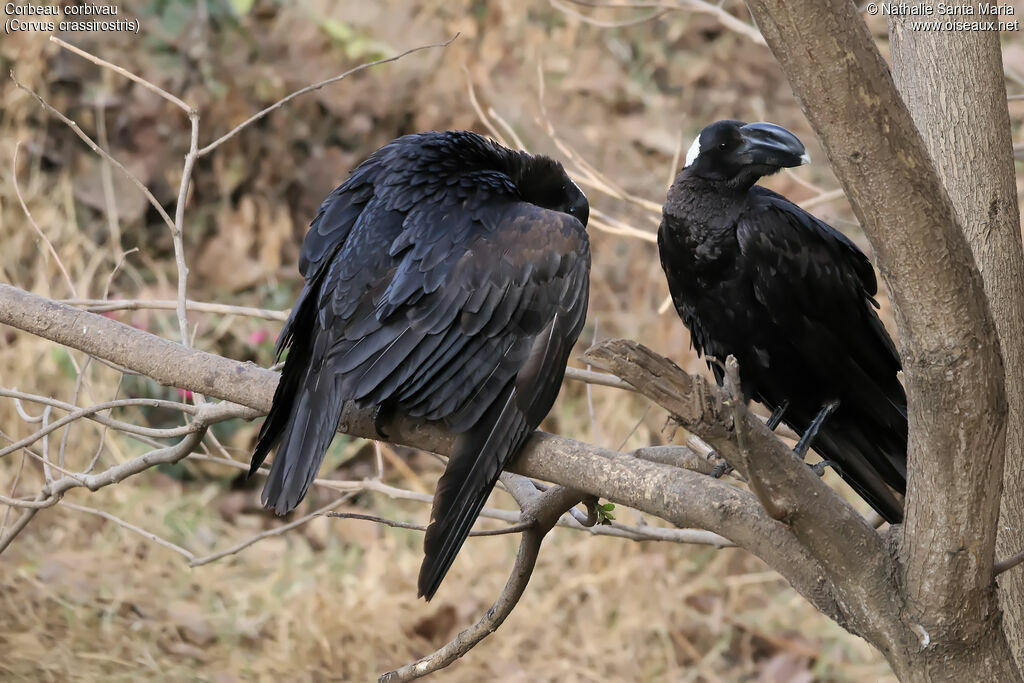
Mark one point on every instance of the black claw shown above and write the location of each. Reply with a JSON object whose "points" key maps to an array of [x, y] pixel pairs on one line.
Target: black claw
{"points": [[721, 469], [380, 417], [820, 467]]}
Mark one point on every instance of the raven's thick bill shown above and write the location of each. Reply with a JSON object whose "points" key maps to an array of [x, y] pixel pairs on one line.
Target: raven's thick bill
{"points": [[446, 279], [755, 276]]}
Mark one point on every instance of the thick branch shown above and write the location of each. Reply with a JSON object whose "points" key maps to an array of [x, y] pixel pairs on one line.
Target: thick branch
{"points": [[685, 498], [848, 549]]}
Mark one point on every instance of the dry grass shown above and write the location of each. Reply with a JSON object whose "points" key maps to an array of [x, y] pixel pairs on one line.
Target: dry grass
{"points": [[82, 598]]}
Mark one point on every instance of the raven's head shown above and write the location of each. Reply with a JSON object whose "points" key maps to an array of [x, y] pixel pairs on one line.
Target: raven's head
{"points": [[740, 153], [543, 181]]}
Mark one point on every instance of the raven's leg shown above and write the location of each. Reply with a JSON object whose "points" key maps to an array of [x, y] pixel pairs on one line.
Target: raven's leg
{"points": [[805, 441], [773, 421], [776, 417]]}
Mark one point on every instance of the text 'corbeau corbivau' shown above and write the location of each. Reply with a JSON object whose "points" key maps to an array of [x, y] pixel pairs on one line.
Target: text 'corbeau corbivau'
{"points": [[447, 279], [755, 276]]}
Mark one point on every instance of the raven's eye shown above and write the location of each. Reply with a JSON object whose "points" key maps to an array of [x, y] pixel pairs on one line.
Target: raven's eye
{"points": [[723, 146], [572, 210]]}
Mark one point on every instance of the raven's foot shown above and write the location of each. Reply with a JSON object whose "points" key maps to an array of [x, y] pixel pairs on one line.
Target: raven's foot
{"points": [[721, 469], [820, 467]]}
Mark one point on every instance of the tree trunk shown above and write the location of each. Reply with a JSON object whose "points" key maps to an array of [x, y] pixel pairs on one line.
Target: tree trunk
{"points": [[953, 85], [949, 623]]}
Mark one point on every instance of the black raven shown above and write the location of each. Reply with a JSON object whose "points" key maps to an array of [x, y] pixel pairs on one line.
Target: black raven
{"points": [[755, 276], [446, 279]]}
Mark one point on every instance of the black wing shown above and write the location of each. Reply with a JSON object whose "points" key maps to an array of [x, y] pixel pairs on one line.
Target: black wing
{"points": [[818, 288], [534, 313], [450, 301], [816, 283]]}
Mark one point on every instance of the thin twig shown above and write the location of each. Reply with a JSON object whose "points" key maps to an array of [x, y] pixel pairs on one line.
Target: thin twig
{"points": [[276, 531], [90, 412], [16, 528], [526, 560], [309, 88], [107, 180], [99, 150], [130, 527], [633, 533], [514, 529], [32, 221], [1009, 563], [178, 232], [542, 511], [105, 305], [823, 198], [52, 493], [699, 6], [124, 72], [600, 23], [488, 124]]}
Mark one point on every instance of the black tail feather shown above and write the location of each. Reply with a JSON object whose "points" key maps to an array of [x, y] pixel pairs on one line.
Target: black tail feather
{"points": [[866, 463], [292, 377], [304, 413], [473, 469], [303, 443]]}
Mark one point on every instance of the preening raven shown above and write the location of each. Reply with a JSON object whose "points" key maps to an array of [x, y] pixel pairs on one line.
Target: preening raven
{"points": [[446, 279], [753, 275]]}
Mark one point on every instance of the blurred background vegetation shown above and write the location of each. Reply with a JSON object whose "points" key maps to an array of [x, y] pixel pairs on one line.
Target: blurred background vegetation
{"points": [[83, 598]]}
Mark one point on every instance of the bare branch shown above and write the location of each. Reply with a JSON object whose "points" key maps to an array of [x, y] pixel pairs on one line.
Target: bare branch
{"points": [[35, 226], [608, 24], [130, 527], [53, 491], [177, 227], [684, 498], [90, 412], [276, 531], [178, 231], [124, 72], [698, 6], [1007, 564], [541, 512], [105, 305], [16, 528], [99, 150], [514, 529]]}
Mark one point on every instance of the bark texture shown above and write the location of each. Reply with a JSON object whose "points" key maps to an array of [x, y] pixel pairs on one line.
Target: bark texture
{"points": [[953, 85]]}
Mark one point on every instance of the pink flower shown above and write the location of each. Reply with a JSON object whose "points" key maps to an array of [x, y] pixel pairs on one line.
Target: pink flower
{"points": [[258, 337], [185, 394]]}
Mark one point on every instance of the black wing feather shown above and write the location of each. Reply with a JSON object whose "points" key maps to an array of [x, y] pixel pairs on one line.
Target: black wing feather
{"points": [[818, 288]]}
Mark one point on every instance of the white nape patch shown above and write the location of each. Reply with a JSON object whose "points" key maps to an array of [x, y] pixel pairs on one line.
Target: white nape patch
{"points": [[805, 159], [693, 153]]}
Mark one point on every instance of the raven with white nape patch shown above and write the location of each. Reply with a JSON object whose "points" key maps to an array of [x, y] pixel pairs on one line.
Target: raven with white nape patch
{"points": [[755, 276], [447, 279]]}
